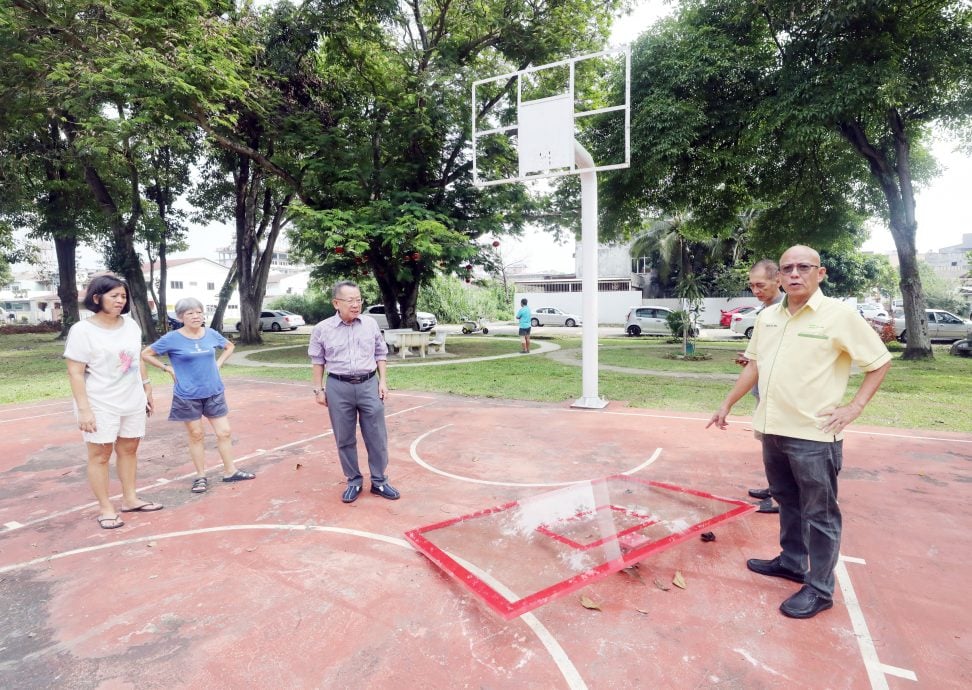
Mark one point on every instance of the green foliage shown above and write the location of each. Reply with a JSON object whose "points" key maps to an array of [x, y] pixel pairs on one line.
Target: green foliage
{"points": [[452, 300], [679, 323], [850, 273], [313, 305], [940, 293]]}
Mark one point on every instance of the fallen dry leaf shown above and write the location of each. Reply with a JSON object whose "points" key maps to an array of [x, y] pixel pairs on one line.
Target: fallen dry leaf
{"points": [[708, 536], [678, 580], [661, 585], [588, 603], [632, 571], [298, 466], [151, 544], [641, 611], [251, 548]]}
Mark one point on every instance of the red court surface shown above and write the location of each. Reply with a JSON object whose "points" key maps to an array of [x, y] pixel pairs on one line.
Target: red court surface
{"points": [[274, 583]]}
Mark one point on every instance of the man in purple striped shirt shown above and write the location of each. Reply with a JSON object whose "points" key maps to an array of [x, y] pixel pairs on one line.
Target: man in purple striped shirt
{"points": [[352, 351]]}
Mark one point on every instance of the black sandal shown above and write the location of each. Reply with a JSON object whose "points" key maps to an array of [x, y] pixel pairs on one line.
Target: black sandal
{"points": [[239, 476], [200, 485]]}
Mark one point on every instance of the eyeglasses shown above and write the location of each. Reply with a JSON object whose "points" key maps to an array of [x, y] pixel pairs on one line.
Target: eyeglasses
{"points": [[350, 300], [803, 269]]}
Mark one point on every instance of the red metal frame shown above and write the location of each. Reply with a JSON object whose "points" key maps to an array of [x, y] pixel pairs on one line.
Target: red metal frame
{"points": [[632, 550]]}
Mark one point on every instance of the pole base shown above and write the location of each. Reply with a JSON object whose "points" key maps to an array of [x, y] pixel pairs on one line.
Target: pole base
{"points": [[590, 403]]}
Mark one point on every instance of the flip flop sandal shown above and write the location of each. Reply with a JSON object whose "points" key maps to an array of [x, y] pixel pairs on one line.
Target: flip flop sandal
{"points": [[144, 508], [116, 522], [239, 476], [200, 485]]}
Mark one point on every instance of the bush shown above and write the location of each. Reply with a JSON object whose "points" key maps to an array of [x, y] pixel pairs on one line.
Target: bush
{"points": [[43, 327], [677, 320], [313, 305], [452, 301], [887, 333]]}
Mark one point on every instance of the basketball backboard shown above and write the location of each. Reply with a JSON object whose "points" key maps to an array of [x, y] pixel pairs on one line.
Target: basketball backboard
{"points": [[525, 124]]}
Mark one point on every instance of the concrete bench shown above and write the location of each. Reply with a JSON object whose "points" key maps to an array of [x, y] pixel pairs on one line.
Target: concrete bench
{"points": [[437, 343], [412, 339]]}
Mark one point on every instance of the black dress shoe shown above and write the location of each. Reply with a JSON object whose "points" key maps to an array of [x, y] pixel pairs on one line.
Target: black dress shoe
{"points": [[773, 569], [351, 493], [761, 494], [767, 506], [385, 491], [805, 604]]}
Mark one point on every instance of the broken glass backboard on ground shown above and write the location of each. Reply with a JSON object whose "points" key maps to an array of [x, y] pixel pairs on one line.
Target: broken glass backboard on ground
{"points": [[519, 556]]}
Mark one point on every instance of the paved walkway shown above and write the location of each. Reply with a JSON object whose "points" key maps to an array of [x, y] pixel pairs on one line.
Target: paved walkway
{"points": [[542, 347], [569, 356]]}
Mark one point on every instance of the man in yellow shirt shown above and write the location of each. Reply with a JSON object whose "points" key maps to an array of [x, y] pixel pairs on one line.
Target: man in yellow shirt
{"points": [[801, 354]]}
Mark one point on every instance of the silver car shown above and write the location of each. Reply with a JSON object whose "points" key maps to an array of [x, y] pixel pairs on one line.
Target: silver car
{"points": [[942, 325], [551, 316]]}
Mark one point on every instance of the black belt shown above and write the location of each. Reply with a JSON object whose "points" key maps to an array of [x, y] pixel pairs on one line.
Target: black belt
{"points": [[356, 378]]}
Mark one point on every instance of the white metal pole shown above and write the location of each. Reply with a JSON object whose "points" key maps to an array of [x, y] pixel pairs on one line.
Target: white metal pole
{"points": [[589, 398]]}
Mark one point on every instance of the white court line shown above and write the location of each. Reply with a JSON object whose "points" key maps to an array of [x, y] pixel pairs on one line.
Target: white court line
{"points": [[742, 421], [560, 657], [30, 406], [36, 416], [875, 669], [398, 394], [259, 452], [413, 451], [554, 649]]}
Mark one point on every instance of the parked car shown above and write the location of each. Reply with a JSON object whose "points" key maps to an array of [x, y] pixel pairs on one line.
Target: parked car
{"points": [[942, 325], [275, 321], [174, 321], [870, 310], [743, 323], [651, 320], [551, 316], [426, 321], [962, 348], [295, 319], [725, 318]]}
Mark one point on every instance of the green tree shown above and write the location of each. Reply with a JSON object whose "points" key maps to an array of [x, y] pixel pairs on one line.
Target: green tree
{"points": [[816, 113]]}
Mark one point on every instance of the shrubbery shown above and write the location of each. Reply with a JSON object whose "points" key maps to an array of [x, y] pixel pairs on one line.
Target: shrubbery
{"points": [[313, 305], [43, 327]]}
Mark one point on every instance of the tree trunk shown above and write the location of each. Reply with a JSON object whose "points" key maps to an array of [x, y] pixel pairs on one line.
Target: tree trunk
{"points": [[225, 293], [67, 285]]}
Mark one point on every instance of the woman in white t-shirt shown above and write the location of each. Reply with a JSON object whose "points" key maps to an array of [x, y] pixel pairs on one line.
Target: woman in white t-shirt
{"points": [[112, 393]]}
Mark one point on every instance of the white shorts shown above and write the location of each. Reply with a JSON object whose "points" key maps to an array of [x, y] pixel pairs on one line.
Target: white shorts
{"points": [[111, 427]]}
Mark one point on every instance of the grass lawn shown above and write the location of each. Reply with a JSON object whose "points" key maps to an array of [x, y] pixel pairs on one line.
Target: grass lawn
{"points": [[915, 395]]}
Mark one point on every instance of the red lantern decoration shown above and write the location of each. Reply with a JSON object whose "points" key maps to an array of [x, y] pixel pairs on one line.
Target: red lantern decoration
{"points": [[416, 256], [468, 280], [495, 243], [468, 267], [339, 249]]}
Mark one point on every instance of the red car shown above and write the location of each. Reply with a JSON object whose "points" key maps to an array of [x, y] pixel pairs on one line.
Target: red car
{"points": [[726, 319]]}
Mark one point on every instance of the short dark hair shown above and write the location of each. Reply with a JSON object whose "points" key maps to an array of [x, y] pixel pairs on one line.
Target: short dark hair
{"points": [[104, 283], [523, 302]]}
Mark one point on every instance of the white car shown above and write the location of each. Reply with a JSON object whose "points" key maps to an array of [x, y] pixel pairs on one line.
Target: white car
{"points": [[295, 320], [551, 316], [276, 321], [651, 320], [426, 321], [743, 323], [870, 310]]}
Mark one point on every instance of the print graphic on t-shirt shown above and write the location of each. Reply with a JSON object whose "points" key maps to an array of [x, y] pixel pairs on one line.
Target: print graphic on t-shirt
{"points": [[125, 361]]}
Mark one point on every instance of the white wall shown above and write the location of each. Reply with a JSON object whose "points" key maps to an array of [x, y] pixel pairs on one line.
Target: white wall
{"points": [[202, 280]]}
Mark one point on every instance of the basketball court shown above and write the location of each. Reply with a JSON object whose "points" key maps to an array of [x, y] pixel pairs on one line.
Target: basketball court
{"points": [[276, 583]]}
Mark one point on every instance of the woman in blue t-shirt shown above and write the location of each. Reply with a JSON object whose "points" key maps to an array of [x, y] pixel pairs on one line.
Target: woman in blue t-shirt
{"points": [[198, 388]]}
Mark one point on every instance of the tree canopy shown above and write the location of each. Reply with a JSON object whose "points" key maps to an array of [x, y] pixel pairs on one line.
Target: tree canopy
{"points": [[812, 115]]}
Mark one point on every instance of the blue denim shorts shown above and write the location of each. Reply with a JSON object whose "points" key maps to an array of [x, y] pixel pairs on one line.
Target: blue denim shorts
{"points": [[524, 331], [183, 410]]}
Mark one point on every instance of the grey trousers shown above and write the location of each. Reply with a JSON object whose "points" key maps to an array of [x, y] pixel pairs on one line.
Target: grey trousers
{"points": [[346, 404], [803, 479]]}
